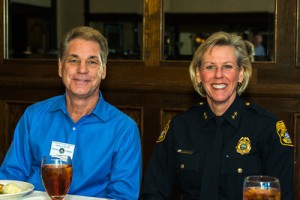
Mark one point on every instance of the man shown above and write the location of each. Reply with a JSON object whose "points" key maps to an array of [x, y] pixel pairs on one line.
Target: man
{"points": [[103, 142], [258, 47]]}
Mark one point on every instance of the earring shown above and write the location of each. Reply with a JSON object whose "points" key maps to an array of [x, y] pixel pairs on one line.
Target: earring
{"points": [[199, 85]]}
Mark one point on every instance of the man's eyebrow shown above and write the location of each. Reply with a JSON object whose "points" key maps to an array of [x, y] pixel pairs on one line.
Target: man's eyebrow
{"points": [[94, 57], [73, 55]]}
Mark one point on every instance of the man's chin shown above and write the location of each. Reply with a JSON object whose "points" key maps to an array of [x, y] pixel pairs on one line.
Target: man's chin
{"points": [[83, 94]]}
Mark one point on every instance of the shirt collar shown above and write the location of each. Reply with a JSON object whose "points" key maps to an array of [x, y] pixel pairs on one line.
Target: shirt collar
{"points": [[59, 104], [99, 110], [232, 115], [207, 114]]}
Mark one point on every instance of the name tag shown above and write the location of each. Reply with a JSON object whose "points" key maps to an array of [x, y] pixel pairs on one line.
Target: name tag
{"points": [[62, 149]]}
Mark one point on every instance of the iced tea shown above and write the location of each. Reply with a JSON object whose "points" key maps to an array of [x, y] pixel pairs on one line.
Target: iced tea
{"points": [[57, 179], [255, 193]]}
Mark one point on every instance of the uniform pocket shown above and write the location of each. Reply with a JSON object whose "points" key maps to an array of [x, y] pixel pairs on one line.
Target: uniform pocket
{"points": [[189, 167], [246, 165], [187, 160], [235, 169]]}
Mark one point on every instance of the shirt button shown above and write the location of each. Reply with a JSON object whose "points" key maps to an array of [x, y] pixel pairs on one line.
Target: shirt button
{"points": [[227, 156], [74, 128], [240, 170], [182, 166]]}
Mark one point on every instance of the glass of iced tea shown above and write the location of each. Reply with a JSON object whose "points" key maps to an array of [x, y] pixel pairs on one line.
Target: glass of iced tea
{"points": [[261, 187], [56, 174]]}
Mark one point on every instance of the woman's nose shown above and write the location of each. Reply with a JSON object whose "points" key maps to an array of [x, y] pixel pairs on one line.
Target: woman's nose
{"points": [[219, 71]]}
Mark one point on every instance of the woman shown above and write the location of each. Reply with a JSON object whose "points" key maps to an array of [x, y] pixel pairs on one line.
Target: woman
{"points": [[208, 150]]}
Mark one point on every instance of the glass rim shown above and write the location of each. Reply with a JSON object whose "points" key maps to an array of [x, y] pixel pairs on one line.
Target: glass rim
{"points": [[57, 156], [261, 178], [57, 159]]}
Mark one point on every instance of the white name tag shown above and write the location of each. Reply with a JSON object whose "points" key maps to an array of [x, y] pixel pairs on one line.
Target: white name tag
{"points": [[62, 149]]}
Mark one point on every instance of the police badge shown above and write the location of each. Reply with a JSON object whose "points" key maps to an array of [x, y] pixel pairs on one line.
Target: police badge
{"points": [[243, 146]]}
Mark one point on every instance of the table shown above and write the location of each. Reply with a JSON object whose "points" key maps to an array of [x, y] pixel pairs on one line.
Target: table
{"points": [[38, 195]]}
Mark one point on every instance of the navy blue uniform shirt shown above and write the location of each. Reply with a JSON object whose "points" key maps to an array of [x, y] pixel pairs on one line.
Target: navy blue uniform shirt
{"points": [[255, 142]]}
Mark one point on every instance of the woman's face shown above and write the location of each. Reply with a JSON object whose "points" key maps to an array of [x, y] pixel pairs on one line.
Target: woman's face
{"points": [[219, 74]]}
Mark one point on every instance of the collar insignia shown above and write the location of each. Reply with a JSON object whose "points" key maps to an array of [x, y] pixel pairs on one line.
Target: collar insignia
{"points": [[163, 134], [243, 146], [235, 114], [283, 134], [205, 115]]}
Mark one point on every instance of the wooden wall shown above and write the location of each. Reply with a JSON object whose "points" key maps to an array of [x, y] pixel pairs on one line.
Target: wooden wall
{"points": [[152, 90]]}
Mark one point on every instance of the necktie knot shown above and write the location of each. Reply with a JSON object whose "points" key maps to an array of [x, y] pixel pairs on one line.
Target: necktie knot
{"points": [[219, 120]]}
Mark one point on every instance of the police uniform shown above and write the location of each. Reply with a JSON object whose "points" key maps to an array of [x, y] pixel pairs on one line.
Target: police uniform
{"points": [[255, 142]]}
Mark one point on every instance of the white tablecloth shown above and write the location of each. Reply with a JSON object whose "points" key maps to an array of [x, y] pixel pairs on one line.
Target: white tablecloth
{"points": [[38, 195]]}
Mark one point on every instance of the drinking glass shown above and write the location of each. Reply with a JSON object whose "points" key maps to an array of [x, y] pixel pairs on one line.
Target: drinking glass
{"points": [[56, 174], [261, 187]]}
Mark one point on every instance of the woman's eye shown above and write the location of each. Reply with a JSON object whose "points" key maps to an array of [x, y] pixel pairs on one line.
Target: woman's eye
{"points": [[227, 67], [210, 67]]}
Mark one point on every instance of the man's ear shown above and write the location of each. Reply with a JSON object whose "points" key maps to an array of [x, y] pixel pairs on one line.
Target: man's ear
{"points": [[59, 67], [103, 75]]}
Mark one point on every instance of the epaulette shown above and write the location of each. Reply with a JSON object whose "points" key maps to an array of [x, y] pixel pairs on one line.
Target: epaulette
{"points": [[281, 129], [200, 105], [260, 110]]}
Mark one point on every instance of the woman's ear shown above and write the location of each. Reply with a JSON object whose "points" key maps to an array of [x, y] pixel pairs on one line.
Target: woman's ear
{"points": [[241, 74], [198, 78]]}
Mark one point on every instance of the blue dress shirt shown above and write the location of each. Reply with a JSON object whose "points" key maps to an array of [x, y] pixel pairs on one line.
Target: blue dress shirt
{"points": [[106, 158]]}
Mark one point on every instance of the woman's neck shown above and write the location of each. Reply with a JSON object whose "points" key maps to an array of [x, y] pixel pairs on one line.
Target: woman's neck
{"points": [[219, 108]]}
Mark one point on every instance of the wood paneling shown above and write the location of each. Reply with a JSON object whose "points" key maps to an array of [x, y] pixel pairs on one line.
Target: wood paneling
{"points": [[10, 113], [136, 113], [166, 114], [298, 35], [152, 91], [297, 152], [152, 32]]}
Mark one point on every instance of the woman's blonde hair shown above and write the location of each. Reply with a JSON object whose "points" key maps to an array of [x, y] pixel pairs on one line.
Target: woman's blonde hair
{"points": [[222, 39]]}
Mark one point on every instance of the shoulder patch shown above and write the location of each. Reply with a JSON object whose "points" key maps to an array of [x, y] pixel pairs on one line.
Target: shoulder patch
{"points": [[283, 134], [163, 134]]}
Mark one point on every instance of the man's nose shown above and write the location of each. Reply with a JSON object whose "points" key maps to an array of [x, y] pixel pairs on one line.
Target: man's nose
{"points": [[82, 67]]}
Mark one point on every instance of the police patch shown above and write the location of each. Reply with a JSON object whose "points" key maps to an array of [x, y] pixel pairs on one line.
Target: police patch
{"points": [[283, 134], [243, 146], [163, 134]]}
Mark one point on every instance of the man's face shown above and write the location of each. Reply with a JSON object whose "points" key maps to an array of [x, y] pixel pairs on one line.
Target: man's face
{"points": [[258, 39], [81, 69]]}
